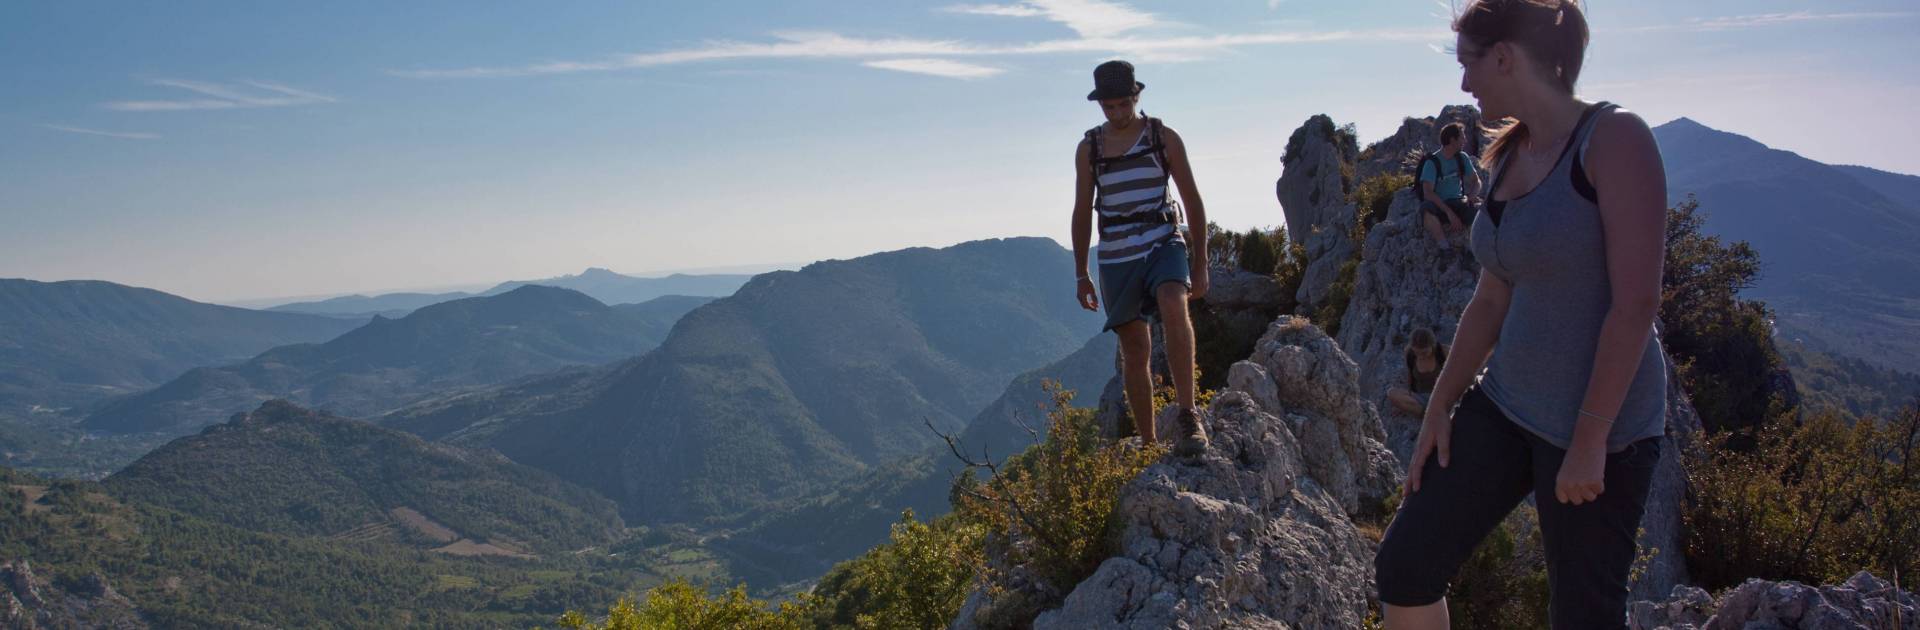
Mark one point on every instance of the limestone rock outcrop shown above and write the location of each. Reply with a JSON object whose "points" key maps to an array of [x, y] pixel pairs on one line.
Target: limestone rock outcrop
{"points": [[1863, 602], [1317, 173], [1256, 533]]}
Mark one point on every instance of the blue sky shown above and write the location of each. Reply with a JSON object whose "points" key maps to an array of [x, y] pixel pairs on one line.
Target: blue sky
{"points": [[245, 150]]}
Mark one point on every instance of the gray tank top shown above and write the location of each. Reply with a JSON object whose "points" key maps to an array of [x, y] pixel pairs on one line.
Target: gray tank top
{"points": [[1548, 244]]}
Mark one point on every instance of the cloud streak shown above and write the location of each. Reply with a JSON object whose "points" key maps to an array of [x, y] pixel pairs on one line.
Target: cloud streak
{"points": [[244, 95], [937, 67], [1761, 20], [819, 45], [1089, 18], [128, 135]]}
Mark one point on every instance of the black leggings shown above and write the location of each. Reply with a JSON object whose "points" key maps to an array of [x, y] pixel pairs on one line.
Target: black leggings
{"points": [[1494, 465]]}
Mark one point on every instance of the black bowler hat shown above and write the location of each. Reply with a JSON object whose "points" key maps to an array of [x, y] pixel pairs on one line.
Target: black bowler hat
{"points": [[1114, 79]]}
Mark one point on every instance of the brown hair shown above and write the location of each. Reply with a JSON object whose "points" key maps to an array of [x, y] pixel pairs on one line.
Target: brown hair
{"points": [[1451, 131], [1422, 339], [1553, 32]]}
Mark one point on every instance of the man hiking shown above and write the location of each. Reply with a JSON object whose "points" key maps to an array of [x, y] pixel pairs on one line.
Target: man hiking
{"points": [[1447, 178], [1147, 268]]}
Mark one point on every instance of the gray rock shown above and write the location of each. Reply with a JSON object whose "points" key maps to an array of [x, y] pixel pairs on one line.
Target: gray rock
{"points": [[1394, 154], [1863, 602], [1256, 533], [1316, 174]]}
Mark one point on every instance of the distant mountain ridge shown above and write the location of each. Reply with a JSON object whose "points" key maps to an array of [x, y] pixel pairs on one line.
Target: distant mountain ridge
{"points": [[602, 284], [799, 378], [390, 362], [286, 470], [1836, 242], [72, 342]]}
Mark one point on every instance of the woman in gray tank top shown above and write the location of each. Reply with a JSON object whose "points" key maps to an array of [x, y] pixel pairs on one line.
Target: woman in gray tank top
{"points": [[1571, 406]]}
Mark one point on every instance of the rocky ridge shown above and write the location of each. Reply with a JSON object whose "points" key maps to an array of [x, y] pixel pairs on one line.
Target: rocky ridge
{"points": [[1863, 602], [1257, 533]]}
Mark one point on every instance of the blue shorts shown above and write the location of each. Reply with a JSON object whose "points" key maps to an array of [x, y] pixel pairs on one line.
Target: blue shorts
{"points": [[1127, 289]]}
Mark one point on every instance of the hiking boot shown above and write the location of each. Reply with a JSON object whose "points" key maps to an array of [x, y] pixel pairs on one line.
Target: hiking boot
{"points": [[1192, 441]]}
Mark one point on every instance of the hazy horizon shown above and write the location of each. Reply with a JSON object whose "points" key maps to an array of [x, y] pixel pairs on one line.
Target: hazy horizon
{"points": [[363, 147]]}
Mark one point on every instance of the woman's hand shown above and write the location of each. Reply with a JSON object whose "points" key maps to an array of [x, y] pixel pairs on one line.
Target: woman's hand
{"points": [[1436, 438], [1582, 473], [1087, 297]]}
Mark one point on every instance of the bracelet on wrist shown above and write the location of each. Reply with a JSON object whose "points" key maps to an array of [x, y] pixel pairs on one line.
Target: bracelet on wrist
{"points": [[1596, 416]]}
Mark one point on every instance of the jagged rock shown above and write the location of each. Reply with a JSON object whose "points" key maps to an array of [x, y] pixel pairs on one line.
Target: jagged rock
{"points": [[1418, 135], [1254, 533], [1317, 172], [1863, 602], [1405, 281]]}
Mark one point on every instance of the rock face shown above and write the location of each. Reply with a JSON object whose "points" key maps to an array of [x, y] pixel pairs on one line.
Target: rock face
{"points": [[1863, 602], [1404, 282], [1316, 175], [1416, 135], [30, 602], [1255, 533]]}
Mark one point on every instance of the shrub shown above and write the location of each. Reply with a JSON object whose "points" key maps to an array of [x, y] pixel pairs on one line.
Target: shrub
{"points": [[1504, 583], [1051, 508], [1372, 198], [680, 605], [1814, 501], [1722, 345], [917, 579]]}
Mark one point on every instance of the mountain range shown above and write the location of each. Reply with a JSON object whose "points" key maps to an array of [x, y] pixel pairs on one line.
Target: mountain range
{"points": [[436, 350], [799, 379], [602, 284], [1839, 265], [65, 344]]}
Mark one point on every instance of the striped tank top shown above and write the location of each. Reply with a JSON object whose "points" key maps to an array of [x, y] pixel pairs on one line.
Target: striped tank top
{"points": [[1124, 188]]}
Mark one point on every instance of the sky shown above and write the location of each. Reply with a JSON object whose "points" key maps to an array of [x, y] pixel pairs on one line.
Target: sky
{"points": [[243, 150]]}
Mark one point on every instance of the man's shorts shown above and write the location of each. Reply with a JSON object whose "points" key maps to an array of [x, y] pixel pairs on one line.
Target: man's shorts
{"points": [[1127, 288], [1460, 207]]}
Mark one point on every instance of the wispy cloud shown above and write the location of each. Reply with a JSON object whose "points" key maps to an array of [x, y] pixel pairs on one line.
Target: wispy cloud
{"points": [[815, 45], [1003, 10], [936, 67], [1759, 20], [1770, 19], [129, 135], [245, 94], [1089, 18]]}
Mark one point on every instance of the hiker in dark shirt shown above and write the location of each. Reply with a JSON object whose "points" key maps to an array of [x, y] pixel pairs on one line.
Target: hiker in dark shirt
{"points": [[1424, 360], [1449, 186]]}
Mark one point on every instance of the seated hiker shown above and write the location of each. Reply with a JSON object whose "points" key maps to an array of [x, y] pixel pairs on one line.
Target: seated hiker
{"points": [[1424, 359], [1122, 170], [1449, 186]]}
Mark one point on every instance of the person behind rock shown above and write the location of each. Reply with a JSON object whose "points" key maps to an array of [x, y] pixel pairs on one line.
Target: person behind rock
{"points": [[1424, 360], [1449, 186], [1571, 407], [1122, 168]]}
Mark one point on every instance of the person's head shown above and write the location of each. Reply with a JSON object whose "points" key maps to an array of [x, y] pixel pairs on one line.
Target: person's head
{"points": [[1452, 137], [1422, 341], [1116, 90], [1512, 50]]}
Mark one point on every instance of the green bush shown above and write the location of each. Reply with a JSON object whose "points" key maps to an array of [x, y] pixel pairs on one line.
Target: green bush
{"points": [[1372, 198], [1721, 344], [1504, 583], [1053, 505], [679, 605], [1813, 501], [917, 579]]}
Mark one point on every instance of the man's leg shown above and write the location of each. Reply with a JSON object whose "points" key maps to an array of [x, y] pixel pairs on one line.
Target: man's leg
{"points": [[1178, 329], [1435, 229], [1455, 209], [1136, 375]]}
